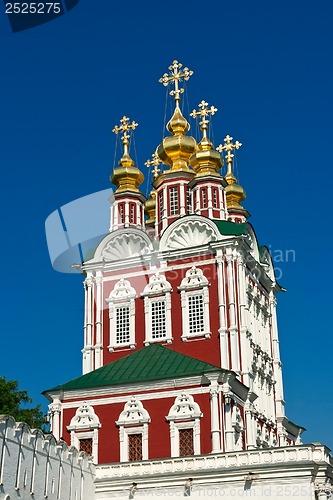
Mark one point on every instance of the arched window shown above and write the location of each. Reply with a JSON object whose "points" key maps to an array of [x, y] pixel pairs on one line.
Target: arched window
{"points": [[157, 297], [184, 417], [133, 431], [195, 304], [122, 314], [84, 430]]}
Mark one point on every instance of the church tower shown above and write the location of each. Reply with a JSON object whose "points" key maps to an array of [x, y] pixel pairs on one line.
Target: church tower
{"points": [[181, 350]]}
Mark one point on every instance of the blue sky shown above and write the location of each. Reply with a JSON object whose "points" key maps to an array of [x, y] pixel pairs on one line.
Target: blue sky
{"points": [[267, 67]]}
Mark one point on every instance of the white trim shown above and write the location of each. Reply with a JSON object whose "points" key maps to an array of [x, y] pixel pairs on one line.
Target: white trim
{"points": [[85, 425], [134, 419], [158, 290], [185, 413], [195, 284], [122, 297]]}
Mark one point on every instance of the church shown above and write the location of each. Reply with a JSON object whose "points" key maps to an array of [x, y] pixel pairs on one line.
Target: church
{"points": [[182, 392]]}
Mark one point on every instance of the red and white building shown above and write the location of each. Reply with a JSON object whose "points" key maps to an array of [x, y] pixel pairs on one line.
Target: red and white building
{"points": [[181, 360]]}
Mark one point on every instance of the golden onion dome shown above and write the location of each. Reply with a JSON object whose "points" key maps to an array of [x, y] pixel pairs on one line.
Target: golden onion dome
{"points": [[176, 150], [205, 161], [126, 177], [234, 193]]}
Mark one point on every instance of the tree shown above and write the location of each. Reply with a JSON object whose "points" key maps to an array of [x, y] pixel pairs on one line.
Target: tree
{"points": [[13, 402]]}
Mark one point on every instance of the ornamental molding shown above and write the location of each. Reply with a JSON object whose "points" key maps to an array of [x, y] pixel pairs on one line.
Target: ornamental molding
{"points": [[187, 232], [123, 244], [122, 292], [157, 285], [133, 413], [84, 418], [194, 278], [184, 408]]}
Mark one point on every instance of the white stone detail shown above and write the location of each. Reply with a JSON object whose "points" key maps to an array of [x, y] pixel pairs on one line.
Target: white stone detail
{"points": [[134, 419], [122, 296], [124, 246], [185, 413], [189, 232], [85, 425]]}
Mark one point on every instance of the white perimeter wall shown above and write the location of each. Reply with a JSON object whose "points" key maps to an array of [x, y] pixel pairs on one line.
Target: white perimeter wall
{"points": [[35, 466]]}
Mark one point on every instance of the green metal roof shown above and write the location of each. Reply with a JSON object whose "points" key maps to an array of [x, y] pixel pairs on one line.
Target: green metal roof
{"points": [[230, 228], [153, 362]]}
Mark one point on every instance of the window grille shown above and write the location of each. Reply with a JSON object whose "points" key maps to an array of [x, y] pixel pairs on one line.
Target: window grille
{"points": [[161, 205], [204, 198], [158, 320], [173, 194], [121, 214], [122, 325], [132, 213], [215, 198], [86, 446], [134, 447], [196, 314], [189, 202], [186, 446]]}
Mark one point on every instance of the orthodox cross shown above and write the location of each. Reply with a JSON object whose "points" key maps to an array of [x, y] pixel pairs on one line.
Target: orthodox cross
{"points": [[155, 162], [175, 76], [204, 111], [228, 147], [125, 127]]}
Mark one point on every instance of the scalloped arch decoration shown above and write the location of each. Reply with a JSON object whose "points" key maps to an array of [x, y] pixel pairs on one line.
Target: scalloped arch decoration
{"points": [[189, 233], [123, 244]]}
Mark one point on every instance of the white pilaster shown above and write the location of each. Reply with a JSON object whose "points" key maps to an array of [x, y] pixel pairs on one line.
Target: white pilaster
{"points": [[232, 311], [214, 414], [224, 351]]}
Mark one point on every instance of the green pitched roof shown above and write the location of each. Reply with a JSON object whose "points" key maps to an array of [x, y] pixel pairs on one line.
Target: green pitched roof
{"points": [[154, 362], [230, 228]]}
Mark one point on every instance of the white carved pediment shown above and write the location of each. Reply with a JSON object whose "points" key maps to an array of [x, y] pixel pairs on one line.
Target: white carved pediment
{"points": [[123, 244], [184, 408], [133, 413], [84, 418], [189, 232]]}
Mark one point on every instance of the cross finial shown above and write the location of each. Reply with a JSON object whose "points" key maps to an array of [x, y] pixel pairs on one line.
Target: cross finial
{"points": [[204, 111], [228, 146], [125, 127], [175, 76], [155, 162]]}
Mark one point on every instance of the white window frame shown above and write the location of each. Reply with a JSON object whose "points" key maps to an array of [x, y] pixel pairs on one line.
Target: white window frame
{"points": [[85, 425], [122, 296], [173, 200], [185, 413], [194, 283], [157, 290], [134, 419]]}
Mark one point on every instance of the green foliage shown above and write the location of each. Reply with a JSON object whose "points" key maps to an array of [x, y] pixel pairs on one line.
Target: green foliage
{"points": [[15, 403]]}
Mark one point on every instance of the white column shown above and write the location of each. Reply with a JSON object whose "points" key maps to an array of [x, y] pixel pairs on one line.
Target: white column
{"points": [[182, 190], [214, 414], [232, 311], [165, 208], [88, 348], [277, 366], [229, 431], [250, 428], [126, 214], [98, 322], [242, 299], [210, 201], [55, 412], [224, 350]]}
